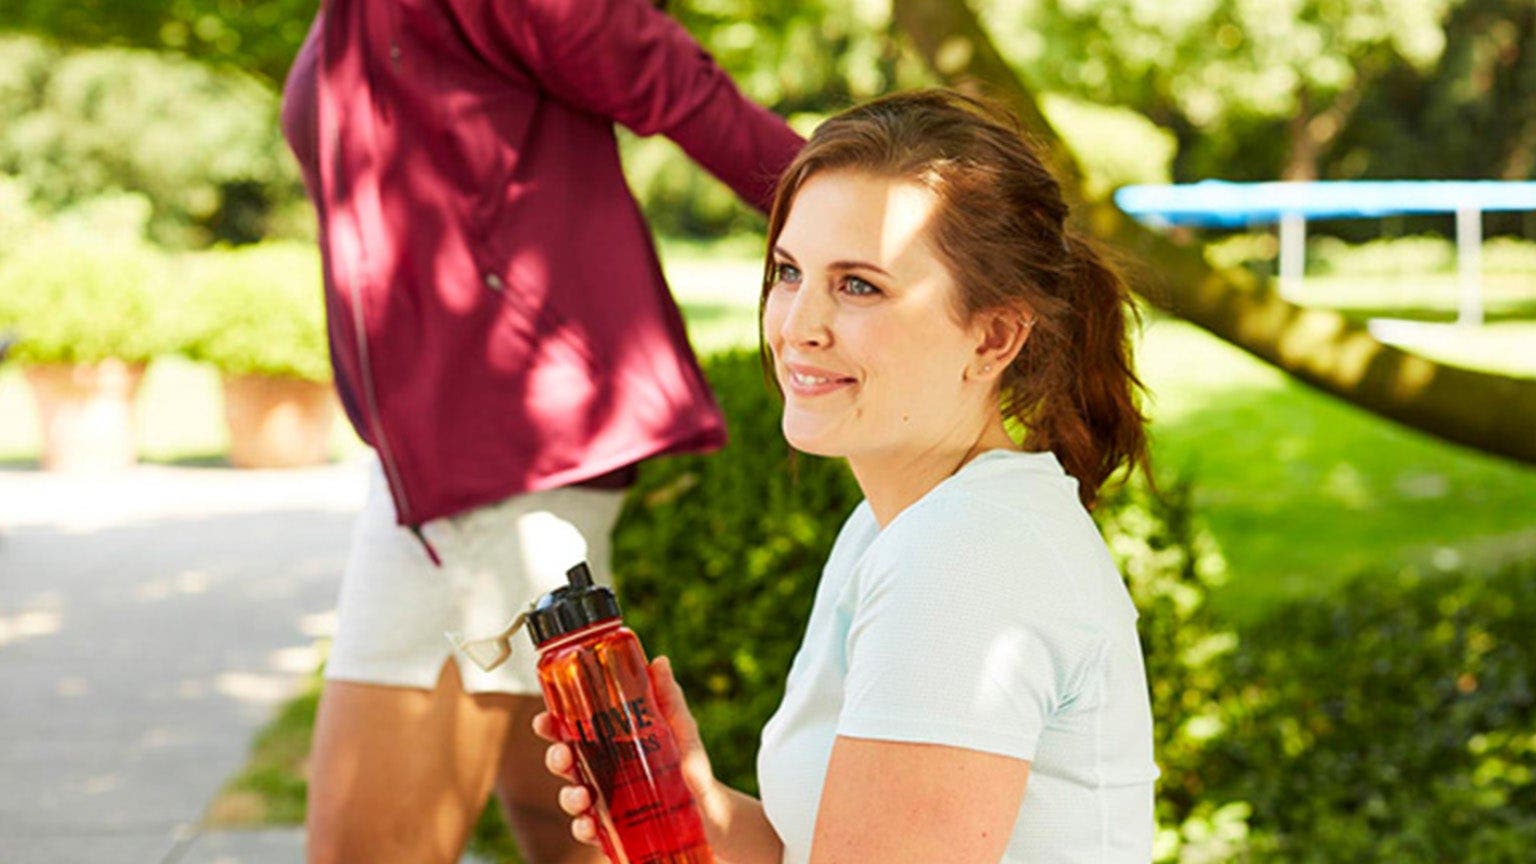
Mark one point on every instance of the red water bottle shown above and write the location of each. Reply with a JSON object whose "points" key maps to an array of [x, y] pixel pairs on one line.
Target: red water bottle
{"points": [[597, 687]]}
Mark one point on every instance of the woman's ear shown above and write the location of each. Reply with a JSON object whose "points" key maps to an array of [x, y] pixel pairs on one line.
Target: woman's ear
{"points": [[1000, 336]]}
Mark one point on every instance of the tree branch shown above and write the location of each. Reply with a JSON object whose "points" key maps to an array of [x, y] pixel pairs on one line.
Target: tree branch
{"points": [[1492, 413]]}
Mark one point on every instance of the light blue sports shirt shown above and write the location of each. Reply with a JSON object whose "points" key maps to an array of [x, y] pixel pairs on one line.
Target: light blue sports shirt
{"points": [[988, 615]]}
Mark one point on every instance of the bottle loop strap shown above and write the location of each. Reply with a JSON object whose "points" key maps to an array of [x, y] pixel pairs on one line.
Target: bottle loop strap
{"points": [[492, 651]]}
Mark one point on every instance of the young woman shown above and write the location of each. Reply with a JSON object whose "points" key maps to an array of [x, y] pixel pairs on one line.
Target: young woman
{"points": [[970, 685]]}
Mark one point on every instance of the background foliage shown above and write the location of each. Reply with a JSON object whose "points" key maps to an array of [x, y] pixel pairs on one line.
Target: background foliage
{"points": [[202, 146], [86, 286], [1143, 90], [1394, 722], [255, 310]]}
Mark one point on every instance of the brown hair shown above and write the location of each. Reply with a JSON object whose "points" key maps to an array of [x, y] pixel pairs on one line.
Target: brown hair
{"points": [[1001, 229]]}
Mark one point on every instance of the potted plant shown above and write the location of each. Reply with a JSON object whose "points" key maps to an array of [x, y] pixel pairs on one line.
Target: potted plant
{"points": [[257, 314], [87, 319]]}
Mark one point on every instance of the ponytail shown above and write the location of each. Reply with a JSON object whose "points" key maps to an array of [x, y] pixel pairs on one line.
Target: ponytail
{"points": [[1075, 391]]}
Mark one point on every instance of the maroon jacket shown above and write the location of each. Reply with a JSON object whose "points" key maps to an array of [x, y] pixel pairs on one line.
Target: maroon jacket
{"points": [[498, 319]]}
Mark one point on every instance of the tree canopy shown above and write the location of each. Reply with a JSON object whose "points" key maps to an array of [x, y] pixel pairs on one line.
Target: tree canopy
{"points": [[1243, 88]]}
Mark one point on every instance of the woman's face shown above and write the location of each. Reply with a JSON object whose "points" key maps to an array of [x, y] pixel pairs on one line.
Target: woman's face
{"points": [[862, 324]]}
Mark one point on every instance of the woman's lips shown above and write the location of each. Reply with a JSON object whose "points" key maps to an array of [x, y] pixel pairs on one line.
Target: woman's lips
{"points": [[813, 381]]}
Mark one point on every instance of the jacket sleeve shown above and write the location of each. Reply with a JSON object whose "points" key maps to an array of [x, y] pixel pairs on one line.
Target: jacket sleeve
{"points": [[628, 61]]}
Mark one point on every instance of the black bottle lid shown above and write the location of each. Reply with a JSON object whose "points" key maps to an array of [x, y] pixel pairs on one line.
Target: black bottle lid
{"points": [[571, 607]]}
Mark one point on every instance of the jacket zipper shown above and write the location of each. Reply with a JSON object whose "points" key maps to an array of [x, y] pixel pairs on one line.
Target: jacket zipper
{"points": [[375, 423], [365, 369]]}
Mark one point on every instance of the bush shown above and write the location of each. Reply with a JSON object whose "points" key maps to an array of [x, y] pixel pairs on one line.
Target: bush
{"points": [[256, 310], [1394, 722], [202, 145], [1400, 256], [87, 288], [18, 219], [1171, 566], [1509, 255]]}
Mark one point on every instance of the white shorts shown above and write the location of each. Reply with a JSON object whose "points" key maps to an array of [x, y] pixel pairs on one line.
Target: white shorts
{"points": [[396, 605]]}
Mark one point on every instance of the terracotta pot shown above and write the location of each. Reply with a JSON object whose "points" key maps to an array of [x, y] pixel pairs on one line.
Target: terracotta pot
{"points": [[86, 414], [277, 422]]}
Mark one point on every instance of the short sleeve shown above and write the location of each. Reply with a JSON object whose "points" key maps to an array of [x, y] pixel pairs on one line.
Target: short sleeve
{"points": [[969, 630]]}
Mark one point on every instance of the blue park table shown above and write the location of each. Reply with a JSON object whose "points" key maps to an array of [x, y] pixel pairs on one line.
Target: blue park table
{"points": [[1218, 203]]}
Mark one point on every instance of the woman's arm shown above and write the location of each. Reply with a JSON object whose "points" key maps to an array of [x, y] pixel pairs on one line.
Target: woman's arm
{"points": [[735, 825], [895, 802]]}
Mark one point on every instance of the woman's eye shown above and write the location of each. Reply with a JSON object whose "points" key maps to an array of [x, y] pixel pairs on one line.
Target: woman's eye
{"points": [[857, 287], [786, 273]]}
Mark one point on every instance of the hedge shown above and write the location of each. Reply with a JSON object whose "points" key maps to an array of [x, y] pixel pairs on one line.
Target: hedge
{"points": [[86, 288], [1394, 722], [256, 310]]}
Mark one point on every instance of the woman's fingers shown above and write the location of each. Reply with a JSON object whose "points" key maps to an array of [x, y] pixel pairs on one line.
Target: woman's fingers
{"points": [[560, 761], [544, 726], [584, 829], [575, 800], [674, 707]]}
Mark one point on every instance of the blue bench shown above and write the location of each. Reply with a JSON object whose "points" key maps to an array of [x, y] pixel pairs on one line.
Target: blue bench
{"points": [[1218, 203]]}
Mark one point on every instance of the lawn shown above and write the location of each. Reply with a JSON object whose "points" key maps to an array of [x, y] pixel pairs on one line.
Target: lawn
{"points": [[1301, 490]]}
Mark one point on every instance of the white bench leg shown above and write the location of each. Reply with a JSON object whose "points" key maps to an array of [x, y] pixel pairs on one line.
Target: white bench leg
{"points": [[1293, 254], [1469, 265]]}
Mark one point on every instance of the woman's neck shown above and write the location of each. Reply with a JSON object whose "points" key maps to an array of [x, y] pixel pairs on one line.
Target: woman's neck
{"points": [[895, 481]]}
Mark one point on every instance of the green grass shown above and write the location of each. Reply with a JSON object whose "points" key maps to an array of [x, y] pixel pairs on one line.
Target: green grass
{"points": [[270, 788], [1301, 490]]}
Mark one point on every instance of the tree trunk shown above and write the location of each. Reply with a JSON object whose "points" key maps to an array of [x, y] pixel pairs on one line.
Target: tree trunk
{"points": [[1303, 148], [1492, 413]]}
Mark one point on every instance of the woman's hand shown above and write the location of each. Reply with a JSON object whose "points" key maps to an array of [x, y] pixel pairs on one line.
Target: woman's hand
{"points": [[576, 799]]}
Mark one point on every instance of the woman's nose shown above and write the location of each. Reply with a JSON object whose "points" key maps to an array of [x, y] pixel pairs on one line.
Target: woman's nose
{"points": [[807, 318]]}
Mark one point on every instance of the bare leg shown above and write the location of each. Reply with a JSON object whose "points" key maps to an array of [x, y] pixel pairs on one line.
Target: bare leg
{"points": [[528, 794], [399, 775]]}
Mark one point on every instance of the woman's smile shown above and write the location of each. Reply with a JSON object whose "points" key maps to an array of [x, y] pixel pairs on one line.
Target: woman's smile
{"points": [[810, 381]]}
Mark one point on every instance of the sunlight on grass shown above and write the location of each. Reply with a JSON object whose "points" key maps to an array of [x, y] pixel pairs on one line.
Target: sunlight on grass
{"points": [[1302, 490], [1507, 347]]}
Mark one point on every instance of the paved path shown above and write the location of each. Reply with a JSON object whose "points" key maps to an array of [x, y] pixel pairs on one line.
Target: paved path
{"points": [[150, 622]]}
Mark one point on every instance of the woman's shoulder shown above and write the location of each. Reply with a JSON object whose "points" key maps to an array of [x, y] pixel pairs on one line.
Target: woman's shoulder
{"points": [[1001, 502], [1011, 525]]}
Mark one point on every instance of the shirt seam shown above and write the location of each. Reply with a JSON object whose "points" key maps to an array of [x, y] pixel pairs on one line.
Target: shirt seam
{"points": [[1001, 740]]}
